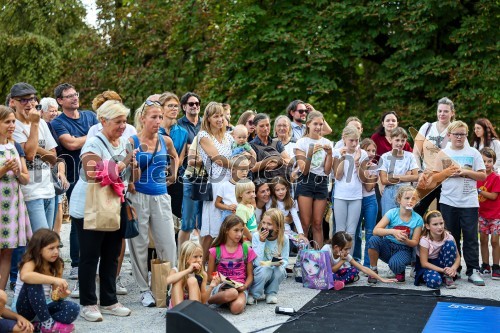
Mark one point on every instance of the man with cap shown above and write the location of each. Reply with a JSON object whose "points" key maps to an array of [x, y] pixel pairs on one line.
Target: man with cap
{"points": [[71, 128]]}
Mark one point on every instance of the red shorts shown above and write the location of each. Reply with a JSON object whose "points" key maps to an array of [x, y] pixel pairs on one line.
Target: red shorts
{"points": [[489, 226]]}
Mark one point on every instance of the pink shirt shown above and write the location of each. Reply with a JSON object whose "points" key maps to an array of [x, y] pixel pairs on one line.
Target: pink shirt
{"points": [[232, 265], [433, 246]]}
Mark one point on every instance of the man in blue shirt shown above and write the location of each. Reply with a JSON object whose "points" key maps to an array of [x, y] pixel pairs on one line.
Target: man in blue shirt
{"points": [[191, 122], [71, 128], [297, 112]]}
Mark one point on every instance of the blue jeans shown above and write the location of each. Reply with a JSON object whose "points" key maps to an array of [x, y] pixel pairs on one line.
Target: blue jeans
{"points": [[41, 213], [388, 200], [266, 280], [191, 210], [14, 261], [369, 210]]}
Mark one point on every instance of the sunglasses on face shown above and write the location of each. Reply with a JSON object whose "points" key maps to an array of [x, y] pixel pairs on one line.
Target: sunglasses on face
{"points": [[25, 101], [191, 104], [250, 122], [302, 111]]}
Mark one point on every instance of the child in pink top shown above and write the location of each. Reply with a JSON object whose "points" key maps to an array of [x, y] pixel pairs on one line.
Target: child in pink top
{"points": [[489, 214], [230, 260]]}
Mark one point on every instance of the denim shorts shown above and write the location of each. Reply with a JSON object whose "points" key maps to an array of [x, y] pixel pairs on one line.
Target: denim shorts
{"points": [[312, 186]]}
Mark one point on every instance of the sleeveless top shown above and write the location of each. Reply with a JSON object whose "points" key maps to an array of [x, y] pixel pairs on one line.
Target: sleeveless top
{"points": [[153, 179]]}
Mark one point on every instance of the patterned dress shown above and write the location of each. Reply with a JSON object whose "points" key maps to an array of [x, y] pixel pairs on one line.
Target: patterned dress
{"points": [[15, 228]]}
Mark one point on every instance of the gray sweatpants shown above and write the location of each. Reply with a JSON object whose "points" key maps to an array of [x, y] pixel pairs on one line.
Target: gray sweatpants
{"points": [[155, 212], [347, 214]]}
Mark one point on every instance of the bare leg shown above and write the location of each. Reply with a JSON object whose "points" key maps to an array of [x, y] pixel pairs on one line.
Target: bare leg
{"points": [[59, 218], [373, 257], [193, 289], [205, 244], [181, 238], [319, 207], [305, 212], [496, 249], [5, 257], [177, 294], [237, 306], [223, 297]]}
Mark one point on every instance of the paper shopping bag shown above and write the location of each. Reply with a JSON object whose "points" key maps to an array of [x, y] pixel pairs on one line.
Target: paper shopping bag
{"points": [[102, 208], [159, 273]]}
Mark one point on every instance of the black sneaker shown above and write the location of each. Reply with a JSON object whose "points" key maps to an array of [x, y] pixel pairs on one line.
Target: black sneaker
{"points": [[12, 285], [485, 268]]}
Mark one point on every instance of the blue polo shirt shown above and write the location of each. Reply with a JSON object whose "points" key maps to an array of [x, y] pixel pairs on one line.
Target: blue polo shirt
{"points": [[190, 127]]}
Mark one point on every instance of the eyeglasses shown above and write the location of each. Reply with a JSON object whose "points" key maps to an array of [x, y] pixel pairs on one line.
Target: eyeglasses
{"points": [[173, 106], [25, 101], [71, 96], [149, 103], [301, 111], [250, 122], [459, 135], [191, 104]]}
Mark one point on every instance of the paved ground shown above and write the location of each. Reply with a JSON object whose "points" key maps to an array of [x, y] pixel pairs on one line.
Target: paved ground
{"points": [[258, 316]]}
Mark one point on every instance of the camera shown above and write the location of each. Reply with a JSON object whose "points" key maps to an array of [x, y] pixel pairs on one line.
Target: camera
{"points": [[39, 107]]}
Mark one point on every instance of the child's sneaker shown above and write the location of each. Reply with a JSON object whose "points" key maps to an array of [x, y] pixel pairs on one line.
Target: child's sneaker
{"points": [[449, 283], [58, 328], [250, 300], [485, 269], [495, 275], [476, 278], [338, 285], [271, 299], [372, 279], [400, 277]]}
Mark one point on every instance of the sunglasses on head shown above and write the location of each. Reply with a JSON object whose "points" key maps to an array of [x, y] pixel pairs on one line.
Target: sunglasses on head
{"points": [[149, 103], [191, 104]]}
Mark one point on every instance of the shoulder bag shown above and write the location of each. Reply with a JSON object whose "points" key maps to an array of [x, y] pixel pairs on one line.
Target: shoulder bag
{"points": [[201, 189]]}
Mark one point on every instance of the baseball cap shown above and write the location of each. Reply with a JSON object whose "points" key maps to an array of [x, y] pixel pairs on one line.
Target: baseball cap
{"points": [[22, 89]]}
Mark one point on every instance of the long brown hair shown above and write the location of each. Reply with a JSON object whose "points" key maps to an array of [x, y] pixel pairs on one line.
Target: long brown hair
{"points": [[427, 221], [228, 223], [288, 200], [489, 133], [41, 239]]}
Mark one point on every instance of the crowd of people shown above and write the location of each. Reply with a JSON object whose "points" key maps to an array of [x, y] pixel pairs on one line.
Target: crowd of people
{"points": [[228, 205]]}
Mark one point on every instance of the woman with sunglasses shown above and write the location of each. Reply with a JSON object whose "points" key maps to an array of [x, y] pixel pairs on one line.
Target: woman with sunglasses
{"points": [[214, 148], [246, 119], [149, 195]]}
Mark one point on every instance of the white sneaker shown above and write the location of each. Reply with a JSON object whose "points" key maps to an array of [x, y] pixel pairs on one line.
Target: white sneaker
{"points": [[116, 310], [75, 293], [271, 299], [476, 278], [73, 273], [250, 300], [91, 313], [412, 272], [120, 288], [147, 299]]}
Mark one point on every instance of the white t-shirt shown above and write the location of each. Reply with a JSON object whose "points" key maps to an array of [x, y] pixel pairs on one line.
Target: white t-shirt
{"points": [[319, 158], [396, 165], [333, 261], [227, 192], [372, 192], [129, 131], [460, 191], [292, 211], [433, 144], [40, 185], [349, 187]]}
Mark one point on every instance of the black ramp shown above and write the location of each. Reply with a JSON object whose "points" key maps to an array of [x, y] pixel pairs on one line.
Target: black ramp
{"points": [[369, 309]]}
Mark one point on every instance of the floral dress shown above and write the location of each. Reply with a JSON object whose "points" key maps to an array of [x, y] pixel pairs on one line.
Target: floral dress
{"points": [[15, 228]]}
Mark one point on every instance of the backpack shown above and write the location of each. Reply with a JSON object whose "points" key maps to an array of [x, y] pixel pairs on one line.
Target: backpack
{"points": [[218, 254], [264, 152]]}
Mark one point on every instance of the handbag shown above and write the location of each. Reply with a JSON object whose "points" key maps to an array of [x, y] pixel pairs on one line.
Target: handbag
{"points": [[102, 208], [316, 269], [201, 186], [131, 223], [159, 273], [58, 186]]}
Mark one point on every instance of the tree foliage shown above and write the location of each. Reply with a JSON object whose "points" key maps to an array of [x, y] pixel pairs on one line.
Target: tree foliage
{"points": [[345, 57]]}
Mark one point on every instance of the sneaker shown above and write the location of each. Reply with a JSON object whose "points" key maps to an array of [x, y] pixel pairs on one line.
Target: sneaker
{"points": [[58, 328], [120, 288], [116, 310], [338, 285], [251, 300], [390, 275], [147, 299], [73, 273], [412, 272], [400, 277], [449, 283], [12, 285], [271, 299], [476, 278], [91, 313], [495, 275], [75, 293], [372, 279], [485, 269]]}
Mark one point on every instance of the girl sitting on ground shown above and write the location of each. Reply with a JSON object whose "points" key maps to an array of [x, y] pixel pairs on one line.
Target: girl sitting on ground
{"points": [[437, 254], [345, 269]]}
